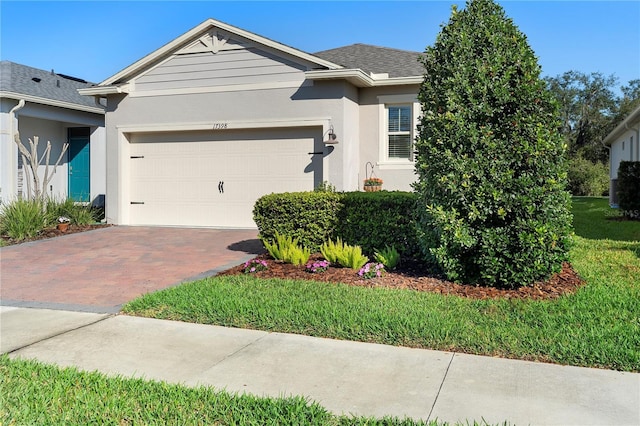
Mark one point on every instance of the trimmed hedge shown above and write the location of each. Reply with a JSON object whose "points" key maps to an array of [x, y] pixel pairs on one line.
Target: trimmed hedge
{"points": [[371, 220], [629, 188], [374, 220], [311, 217]]}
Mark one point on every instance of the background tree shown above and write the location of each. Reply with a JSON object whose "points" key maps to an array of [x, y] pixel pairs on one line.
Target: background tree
{"points": [[590, 109], [588, 105], [630, 100], [490, 157]]}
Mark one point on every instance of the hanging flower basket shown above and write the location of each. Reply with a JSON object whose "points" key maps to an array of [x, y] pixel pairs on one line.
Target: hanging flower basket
{"points": [[373, 184]]}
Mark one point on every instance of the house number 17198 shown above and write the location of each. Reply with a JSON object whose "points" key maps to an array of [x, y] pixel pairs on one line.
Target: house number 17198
{"points": [[218, 126]]}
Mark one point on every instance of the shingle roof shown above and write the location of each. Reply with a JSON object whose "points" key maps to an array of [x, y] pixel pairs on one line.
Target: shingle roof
{"points": [[24, 80], [374, 59]]}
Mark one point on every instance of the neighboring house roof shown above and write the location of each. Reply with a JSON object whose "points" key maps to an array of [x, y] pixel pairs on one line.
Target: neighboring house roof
{"points": [[45, 87], [632, 121], [375, 59]]}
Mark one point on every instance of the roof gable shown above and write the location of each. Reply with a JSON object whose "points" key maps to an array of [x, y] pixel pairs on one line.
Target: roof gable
{"points": [[213, 36]]}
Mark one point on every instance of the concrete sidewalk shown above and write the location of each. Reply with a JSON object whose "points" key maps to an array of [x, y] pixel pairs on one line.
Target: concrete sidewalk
{"points": [[345, 377]]}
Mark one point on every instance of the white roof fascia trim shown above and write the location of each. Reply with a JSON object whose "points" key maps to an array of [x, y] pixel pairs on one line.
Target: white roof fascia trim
{"points": [[51, 102], [355, 75], [360, 78], [398, 81], [104, 90], [221, 89], [209, 23], [233, 124], [622, 127]]}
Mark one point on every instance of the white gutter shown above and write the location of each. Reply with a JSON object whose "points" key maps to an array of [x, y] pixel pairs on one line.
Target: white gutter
{"points": [[398, 81], [361, 79], [620, 128], [50, 102], [104, 90]]}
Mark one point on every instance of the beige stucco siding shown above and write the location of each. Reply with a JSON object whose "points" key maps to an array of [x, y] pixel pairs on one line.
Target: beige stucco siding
{"points": [[372, 134], [319, 104]]}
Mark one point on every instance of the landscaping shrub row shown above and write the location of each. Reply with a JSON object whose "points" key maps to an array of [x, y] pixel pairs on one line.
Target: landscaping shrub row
{"points": [[371, 220]]}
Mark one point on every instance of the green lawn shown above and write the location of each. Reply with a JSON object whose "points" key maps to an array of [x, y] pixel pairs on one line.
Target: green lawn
{"points": [[595, 220], [599, 326], [32, 393]]}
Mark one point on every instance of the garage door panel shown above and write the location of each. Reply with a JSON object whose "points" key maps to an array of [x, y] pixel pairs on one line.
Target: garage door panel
{"points": [[178, 179]]}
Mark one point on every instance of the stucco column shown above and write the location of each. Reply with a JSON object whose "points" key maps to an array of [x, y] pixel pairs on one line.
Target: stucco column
{"points": [[8, 152]]}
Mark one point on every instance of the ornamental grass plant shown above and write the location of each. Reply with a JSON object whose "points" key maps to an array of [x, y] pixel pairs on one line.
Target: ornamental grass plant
{"points": [[343, 254], [25, 218], [287, 249]]}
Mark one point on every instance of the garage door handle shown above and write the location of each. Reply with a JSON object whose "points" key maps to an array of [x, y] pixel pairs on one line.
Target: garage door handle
{"points": [[221, 187], [137, 202]]}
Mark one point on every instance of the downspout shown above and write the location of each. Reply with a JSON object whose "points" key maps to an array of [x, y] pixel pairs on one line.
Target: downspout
{"points": [[13, 134], [14, 117]]}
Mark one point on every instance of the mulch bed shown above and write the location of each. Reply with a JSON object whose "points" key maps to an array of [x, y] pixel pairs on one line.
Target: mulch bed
{"points": [[411, 275], [54, 232]]}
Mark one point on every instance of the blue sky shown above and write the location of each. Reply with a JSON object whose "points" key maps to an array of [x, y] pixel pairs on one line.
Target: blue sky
{"points": [[94, 40]]}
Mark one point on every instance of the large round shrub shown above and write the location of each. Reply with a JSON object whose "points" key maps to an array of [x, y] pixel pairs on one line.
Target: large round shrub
{"points": [[489, 156]]}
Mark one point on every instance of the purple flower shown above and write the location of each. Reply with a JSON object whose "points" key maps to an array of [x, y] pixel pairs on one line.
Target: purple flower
{"points": [[317, 266], [371, 270], [255, 265]]}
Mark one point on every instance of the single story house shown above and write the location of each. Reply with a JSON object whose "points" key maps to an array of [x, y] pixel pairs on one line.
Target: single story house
{"points": [[35, 102], [624, 143], [200, 128]]}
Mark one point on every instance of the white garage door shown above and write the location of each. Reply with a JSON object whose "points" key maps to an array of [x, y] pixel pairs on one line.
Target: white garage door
{"points": [[214, 178]]}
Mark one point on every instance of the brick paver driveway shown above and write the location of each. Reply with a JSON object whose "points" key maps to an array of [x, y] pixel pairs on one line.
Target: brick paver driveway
{"points": [[98, 271]]}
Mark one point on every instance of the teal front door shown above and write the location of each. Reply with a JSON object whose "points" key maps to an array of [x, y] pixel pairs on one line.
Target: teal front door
{"points": [[79, 185]]}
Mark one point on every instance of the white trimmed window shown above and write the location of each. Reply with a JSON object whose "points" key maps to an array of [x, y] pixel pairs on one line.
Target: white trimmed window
{"points": [[399, 132], [398, 121]]}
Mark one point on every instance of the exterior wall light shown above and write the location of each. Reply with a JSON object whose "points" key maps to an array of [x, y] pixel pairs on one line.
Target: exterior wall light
{"points": [[331, 137]]}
